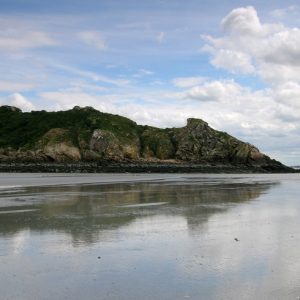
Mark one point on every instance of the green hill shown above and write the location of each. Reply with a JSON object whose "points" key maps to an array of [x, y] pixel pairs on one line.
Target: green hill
{"points": [[87, 135]]}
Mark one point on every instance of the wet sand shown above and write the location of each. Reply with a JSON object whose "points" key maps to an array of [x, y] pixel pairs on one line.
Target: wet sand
{"points": [[153, 236]]}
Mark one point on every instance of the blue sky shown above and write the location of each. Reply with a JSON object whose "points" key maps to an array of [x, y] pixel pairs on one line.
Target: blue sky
{"points": [[234, 64]]}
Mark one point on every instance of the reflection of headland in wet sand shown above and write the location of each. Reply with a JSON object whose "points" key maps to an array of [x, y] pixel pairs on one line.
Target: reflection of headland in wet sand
{"points": [[89, 212]]}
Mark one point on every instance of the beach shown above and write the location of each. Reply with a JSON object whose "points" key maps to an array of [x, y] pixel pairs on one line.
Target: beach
{"points": [[149, 236]]}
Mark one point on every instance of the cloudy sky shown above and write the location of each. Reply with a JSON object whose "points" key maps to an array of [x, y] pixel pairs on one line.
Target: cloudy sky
{"points": [[159, 62]]}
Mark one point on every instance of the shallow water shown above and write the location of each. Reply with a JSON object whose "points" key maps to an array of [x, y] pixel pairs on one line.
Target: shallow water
{"points": [[149, 236]]}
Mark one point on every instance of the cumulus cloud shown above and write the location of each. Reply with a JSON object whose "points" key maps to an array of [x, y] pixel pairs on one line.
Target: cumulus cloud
{"points": [[282, 48], [19, 101], [288, 94], [250, 46], [242, 20], [271, 52], [214, 91], [92, 38], [234, 61]]}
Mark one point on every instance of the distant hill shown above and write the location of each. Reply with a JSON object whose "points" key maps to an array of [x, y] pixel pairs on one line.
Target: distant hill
{"points": [[87, 135]]}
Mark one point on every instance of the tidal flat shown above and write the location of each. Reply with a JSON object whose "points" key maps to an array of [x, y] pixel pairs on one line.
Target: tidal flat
{"points": [[149, 236]]}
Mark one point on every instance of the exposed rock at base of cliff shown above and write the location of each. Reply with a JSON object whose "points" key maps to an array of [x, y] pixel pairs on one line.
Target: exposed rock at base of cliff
{"points": [[87, 135]]}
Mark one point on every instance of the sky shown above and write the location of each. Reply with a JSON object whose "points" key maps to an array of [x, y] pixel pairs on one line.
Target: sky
{"points": [[234, 64]]}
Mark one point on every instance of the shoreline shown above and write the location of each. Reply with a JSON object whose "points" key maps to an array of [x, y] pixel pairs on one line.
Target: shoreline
{"points": [[133, 167], [11, 183]]}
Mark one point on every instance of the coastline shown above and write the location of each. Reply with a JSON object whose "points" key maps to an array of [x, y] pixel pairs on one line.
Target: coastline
{"points": [[137, 167]]}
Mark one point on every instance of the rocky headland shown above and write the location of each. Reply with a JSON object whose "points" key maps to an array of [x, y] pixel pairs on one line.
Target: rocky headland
{"points": [[86, 140]]}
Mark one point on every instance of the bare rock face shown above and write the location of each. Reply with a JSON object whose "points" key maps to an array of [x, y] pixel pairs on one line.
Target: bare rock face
{"points": [[194, 141], [200, 143], [131, 150], [62, 152], [106, 144], [57, 145], [255, 154]]}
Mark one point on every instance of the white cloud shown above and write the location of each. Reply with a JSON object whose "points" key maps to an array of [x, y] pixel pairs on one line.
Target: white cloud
{"points": [[14, 41], [288, 94], [92, 38], [68, 99], [214, 91], [276, 74], [19, 101], [242, 20], [271, 51], [186, 82], [233, 60], [281, 48]]}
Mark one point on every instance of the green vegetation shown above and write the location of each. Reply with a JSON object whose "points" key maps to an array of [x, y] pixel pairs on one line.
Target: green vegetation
{"points": [[85, 134], [157, 142], [19, 129]]}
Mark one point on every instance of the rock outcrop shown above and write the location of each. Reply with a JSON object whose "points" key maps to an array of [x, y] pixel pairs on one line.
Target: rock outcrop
{"points": [[57, 145], [87, 135], [199, 142]]}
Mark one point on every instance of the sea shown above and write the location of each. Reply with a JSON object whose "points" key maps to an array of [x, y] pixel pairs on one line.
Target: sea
{"points": [[149, 236]]}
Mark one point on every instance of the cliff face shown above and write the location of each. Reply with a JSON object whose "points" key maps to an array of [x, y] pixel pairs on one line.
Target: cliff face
{"points": [[85, 134], [199, 141]]}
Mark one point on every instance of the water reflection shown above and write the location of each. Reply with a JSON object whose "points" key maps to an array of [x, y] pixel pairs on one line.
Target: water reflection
{"points": [[160, 239], [91, 213]]}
